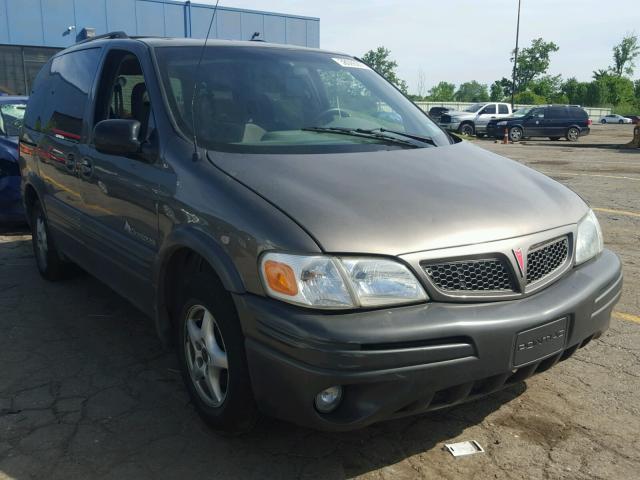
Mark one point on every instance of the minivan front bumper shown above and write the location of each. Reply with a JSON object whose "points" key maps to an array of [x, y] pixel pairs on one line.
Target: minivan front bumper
{"points": [[406, 360]]}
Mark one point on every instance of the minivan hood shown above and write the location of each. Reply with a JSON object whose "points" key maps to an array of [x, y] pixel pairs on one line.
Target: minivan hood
{"points": [[393, 202]]}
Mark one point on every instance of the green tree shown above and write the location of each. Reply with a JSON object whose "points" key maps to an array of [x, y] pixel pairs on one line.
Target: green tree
{"points": [[472, 91], [442, 92], [618, 90], [529, 98], [624, 55], [596, 94], [497, 92], [575, 91], [380, 60], [549, 87], [533, 62]]}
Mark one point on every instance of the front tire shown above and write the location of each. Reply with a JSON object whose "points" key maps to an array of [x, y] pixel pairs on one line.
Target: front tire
{"points": [[48, 260], [212, 357], [467, 129], [573, 134], [620, 121], [515, 134]]}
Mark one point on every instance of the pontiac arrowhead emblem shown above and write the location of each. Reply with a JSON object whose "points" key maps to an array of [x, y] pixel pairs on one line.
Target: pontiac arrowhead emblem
{"points": [[517, 252]]}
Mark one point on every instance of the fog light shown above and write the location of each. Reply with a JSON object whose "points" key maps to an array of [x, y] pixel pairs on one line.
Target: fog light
{"points": [[328, 400]]}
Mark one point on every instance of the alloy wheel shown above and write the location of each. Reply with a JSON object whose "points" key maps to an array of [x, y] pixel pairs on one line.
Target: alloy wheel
{"points": [[206, 356], [515, 134]]}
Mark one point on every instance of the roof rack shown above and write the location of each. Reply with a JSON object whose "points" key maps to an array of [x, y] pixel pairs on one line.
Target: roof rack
{"points": [[106, 35]]}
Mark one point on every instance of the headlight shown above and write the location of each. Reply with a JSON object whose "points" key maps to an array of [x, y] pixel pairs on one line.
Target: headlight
{"points": [[501, 124], [320, 281], [589, 240]]}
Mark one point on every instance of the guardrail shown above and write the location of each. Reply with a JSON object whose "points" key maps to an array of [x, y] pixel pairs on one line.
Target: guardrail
{"points": [[595, 113]]}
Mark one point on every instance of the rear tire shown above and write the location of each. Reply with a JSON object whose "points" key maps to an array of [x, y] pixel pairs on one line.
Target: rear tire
{"points": [[573, 134], [603, 121], [48, 260], [212, 356]]}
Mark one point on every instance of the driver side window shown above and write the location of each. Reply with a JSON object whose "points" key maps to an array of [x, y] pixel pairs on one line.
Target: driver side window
{"points": [[537, 113], [123, 92], [488, 110]]}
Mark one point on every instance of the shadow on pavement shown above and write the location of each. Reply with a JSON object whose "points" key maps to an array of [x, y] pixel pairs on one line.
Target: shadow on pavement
{"points": [[11, 229], [86, 390]]}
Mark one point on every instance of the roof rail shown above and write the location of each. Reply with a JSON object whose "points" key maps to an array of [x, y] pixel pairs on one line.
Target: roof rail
{"points": [[106, 35]]}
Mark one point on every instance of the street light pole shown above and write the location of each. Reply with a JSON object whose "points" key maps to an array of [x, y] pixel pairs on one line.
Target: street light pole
{"points": [[515, 60]]}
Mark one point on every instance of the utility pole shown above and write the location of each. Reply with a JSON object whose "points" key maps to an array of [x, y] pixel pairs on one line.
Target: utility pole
{"points": [[515, 60]]}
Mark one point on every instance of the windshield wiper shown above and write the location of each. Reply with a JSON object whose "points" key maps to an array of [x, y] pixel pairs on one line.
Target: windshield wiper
{"points": [[359, 132], [420, 138]]}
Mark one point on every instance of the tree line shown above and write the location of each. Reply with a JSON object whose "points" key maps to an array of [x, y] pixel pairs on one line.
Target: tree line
{"points": [[610, 87]]}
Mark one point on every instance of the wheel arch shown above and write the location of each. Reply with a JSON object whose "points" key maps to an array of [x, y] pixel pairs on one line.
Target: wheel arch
{"points": [[30, 197], [181, 251]]}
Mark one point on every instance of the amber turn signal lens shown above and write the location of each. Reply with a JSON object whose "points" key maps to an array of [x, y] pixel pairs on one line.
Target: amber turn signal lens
{"points": [[280, 278]]}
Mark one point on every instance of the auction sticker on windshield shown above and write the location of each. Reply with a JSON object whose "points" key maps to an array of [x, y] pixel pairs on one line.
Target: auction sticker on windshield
{"points": [[350, 63]]}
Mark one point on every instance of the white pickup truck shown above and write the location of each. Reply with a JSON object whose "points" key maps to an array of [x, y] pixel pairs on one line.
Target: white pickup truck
{"points": [[473, 119]]}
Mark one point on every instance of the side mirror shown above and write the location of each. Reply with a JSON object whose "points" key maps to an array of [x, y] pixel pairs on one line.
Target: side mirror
{"points": [[117, 136]]}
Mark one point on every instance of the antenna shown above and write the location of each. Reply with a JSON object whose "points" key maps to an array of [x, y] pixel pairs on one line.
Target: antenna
{"points": [[196, 156]]}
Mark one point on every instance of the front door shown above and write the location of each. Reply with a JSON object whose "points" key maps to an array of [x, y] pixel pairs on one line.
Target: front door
{"points": [[120, 191], [484, 116], [534, 123]]}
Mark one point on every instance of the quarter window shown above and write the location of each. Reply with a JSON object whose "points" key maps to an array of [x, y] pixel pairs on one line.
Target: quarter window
{"points": [[503, 109]]}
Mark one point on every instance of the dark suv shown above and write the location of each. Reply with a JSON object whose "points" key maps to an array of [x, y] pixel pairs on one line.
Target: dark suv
{"points": [[314, 246], [553, 121]]}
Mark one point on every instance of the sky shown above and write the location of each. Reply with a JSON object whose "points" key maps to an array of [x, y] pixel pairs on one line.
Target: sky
{"points": [[463, 40]]}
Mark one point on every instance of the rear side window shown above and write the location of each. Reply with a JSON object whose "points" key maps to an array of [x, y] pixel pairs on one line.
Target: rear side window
{"points": [[61, 97], [557, 112], [38, 97], [579, 113], [503, 109]]}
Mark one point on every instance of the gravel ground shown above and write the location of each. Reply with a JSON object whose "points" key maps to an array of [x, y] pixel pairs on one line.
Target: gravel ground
{"points": [[87, 391]]}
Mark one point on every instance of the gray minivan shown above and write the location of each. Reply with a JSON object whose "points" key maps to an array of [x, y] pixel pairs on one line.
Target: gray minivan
{"points": [[313, 245]]}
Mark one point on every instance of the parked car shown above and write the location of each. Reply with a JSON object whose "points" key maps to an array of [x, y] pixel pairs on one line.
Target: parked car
{"points": [[11, 112], [635, 119], [613, 118], [307, 258], [553, 121], [436, 112], [474, 119]]}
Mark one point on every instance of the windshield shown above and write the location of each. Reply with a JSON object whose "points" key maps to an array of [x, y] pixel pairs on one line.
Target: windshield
{"points": [[11, 115], [262, 99], [475, 107]]}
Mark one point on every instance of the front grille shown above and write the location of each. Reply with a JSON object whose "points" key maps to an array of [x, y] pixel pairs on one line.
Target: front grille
{"points": [[546, 259], [486, 275], [444, 118]]}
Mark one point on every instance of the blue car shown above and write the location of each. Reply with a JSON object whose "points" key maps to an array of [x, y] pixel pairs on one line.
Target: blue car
{"points": [[11, 112]]}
